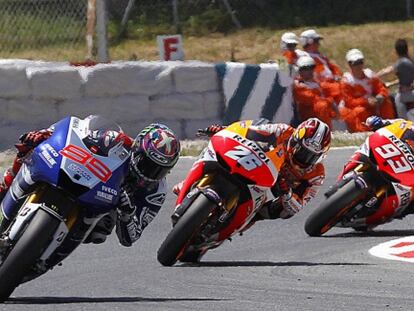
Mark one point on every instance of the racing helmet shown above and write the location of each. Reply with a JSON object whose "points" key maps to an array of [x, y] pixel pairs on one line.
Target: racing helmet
{"points": [[309, 143], [155, 152]]}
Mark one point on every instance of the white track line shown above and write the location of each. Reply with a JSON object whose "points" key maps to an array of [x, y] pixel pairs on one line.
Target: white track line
{"points": [[400, 249]]}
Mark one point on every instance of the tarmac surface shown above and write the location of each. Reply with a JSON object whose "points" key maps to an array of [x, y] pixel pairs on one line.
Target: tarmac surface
{"points": [[273, 266]]}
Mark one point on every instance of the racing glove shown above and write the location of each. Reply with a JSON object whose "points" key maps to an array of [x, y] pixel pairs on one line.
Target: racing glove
{"points": [[290, 205], [126, 222], [210, 130], [30, 140], [34, 138]]}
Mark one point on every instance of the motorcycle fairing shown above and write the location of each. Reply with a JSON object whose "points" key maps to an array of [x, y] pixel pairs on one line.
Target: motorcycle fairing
{"points": [[65, 152], [393, 156], [245, 157]]}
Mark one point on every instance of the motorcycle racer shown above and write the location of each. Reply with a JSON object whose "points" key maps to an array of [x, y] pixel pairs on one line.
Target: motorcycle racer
{"points": [[404, 132], [153, 154], [302, 173]]}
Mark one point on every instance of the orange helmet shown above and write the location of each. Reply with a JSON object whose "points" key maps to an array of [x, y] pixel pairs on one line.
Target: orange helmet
{"points": [[309, 143]]}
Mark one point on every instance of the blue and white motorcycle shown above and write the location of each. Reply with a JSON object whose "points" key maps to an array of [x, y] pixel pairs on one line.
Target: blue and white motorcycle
{"points": [[75, 183]]}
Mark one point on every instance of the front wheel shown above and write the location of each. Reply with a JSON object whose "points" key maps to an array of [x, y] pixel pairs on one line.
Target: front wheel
{"points": [[185, 229], [331, 211], [26, 252]]}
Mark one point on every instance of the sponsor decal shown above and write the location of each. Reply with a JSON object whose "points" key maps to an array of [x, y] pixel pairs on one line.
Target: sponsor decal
{"points": [[404, 195], [158, 157], [123, 155], [399, 249], [47, 158], [244, 157], [192, 192], [103, 196], [252, 145], [84, 158], [109, 190], [258, 196], [48, 154], [78, 170], [403, 147], [75, 123], [156, 198], [51, 150]]}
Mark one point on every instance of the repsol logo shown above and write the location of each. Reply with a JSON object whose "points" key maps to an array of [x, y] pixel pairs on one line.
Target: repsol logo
{"points": [[404, 148], [252, 145]]}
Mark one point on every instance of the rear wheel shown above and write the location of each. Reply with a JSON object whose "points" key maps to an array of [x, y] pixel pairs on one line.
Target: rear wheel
{"points": [[331, 211], [175, 244], [26, 252]]}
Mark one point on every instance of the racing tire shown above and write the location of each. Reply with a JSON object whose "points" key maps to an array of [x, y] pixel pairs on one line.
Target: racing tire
{"points": [[330, 212], [176, 243], [27, 250]]}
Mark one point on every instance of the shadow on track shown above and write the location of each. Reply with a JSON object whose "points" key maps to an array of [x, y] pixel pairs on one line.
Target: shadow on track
{"points": [[65, 300], [382, 233], [268, 264]]}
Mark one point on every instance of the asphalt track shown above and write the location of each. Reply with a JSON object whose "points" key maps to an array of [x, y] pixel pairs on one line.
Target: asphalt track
{"points": [[273, 266]]}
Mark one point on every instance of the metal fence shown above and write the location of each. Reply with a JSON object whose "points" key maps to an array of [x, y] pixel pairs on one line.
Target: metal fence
{"points": [[56, 29], [30, 26], [198, 16]]}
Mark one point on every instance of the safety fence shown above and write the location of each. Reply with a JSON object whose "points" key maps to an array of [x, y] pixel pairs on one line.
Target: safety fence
{"points": [[28, 25], [57, 29]]}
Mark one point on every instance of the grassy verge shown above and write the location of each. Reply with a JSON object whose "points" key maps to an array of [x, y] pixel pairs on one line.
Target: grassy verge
{"points": [[253, 45], [258, 45]]}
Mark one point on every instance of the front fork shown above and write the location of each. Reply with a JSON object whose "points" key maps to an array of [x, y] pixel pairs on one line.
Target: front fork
{"points": [[212, 186], [374, 196], [11, 229]]}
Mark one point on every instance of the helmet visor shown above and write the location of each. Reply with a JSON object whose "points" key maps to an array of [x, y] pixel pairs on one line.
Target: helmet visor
{"points": [[305, 157], [149, 169]]}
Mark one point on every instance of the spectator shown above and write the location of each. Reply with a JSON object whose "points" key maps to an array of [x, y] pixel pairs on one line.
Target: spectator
{"points": [[288, 44], [364, 94], [404, 70], [324, 70], [310, 97]]}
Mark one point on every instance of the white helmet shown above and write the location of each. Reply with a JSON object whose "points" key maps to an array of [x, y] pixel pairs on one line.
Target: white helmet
{"points": [[308, 37], [289, 38], [305, 61], [354, 55]]}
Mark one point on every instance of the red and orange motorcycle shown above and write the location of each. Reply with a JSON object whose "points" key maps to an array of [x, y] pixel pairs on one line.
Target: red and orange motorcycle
{"points": [[221, 194], [375, 187]]}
